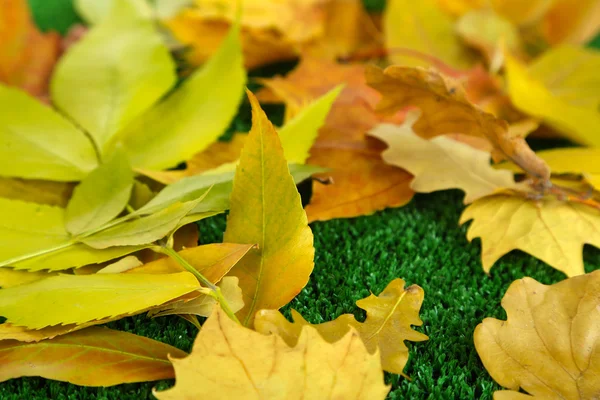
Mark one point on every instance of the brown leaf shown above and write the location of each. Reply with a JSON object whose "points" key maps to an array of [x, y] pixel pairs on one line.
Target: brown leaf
{"points": [[229, 361], [446, 109], [549, 346], [362, 182], [91, 357], [27, 56], [36, 191]]}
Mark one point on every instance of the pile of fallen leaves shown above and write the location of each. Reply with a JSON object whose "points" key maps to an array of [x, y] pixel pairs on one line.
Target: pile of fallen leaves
{"points": [[110, 152]]}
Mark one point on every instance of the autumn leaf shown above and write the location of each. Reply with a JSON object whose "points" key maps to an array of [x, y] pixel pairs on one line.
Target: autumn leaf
{"points": [[388, 324], [363, 183], [445, 109], [91, 357], [559, 88], [549, 229], [95, 12], [36, 191], [10, 277], [548, 346], [441, 163], [230, 361], [266, 210], [50, 302], [585, 161], [27, 56]]}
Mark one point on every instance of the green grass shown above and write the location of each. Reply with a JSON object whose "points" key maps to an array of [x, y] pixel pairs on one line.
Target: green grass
{"points": [[420, 243]]}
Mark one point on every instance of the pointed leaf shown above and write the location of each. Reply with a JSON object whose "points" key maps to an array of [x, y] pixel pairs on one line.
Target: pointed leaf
{"points": [[388, 324], [36, 142], [101, 196], [75, 299], [231, 362], [266, 209], [91, 357], [190, 119], [10, 277], [116, 72]]}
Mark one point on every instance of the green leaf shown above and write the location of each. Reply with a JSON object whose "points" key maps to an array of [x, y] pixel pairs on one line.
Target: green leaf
{"points": [[36, 142], [114, 74], [76, 299], [101, 196], [94, 11], [142, 230], [194, 116], [299, 134]]}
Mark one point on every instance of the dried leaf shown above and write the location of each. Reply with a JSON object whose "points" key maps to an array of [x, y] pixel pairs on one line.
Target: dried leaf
{"points": [[388, 324], [441, 162], [560, 87], [51, 301], [229, 362], [421, 27], [549, 229], [92, 357], [548, 346], [37, 142], [116, 72], [27, 56], [445, 109], [266, 209], [101, 196]]}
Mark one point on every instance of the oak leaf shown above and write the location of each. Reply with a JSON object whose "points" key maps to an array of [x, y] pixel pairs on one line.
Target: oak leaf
{"points": [[27, 56], [362, 182], [230, 361], [388, 324], [92, 357], [549, 229], [266, 209], [441, 162], [445, 109], [548, 346]]}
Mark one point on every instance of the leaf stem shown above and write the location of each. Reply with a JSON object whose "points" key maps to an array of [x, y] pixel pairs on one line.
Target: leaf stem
{"points": [[28, 256], [215, 291]]}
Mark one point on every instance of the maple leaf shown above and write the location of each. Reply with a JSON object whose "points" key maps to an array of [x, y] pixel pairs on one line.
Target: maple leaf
{"points": [[266, 209], [559, 88], [363, 183], [91, 357], [548, 346], [549, 229], [441, 162], [27, 56], [445, 109], [389, 319], [230, 361]]}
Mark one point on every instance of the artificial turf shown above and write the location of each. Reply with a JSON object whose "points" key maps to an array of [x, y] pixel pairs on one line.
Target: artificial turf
{"points": [[420, 243]]}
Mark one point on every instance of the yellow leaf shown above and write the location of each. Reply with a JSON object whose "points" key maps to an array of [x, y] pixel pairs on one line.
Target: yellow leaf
{"points": [[560, 88], [445, 110], [460, 7], [441, 162], [232, 362], [552, 230], [189, 120], [92, 357], [549, 346], [10, 277], [571, 21], [266, 209], [522, 12], [36, 191], [388, 324], [123, 265], [76, 299], [116, 72], [421, 26], [204, 304]]}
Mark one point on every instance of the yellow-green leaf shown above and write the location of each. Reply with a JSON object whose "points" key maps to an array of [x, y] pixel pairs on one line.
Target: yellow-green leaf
{"points": [[91, 357], [388, 324], [115, 73], [191, 118], [10, 277], [36, 142], [266, 209], [561, 88], [423, 27], [94, 11], [101, 196], [76, 299]]}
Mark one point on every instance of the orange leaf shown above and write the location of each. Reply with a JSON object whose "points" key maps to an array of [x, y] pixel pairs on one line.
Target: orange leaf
{"points": [[27, 56], [91, 357]]}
